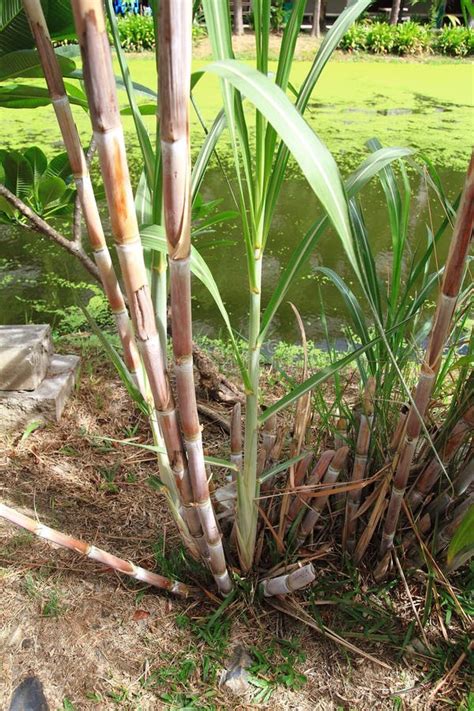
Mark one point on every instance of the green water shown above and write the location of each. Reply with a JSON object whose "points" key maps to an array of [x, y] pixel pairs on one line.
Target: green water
{"points": [[427, 106]]}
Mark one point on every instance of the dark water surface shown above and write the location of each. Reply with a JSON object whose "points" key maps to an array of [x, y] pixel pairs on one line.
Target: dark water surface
{"points": [[35, 274]]}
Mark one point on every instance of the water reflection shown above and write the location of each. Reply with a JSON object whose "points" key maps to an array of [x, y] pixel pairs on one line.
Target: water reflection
{"points": [[27, 261]]}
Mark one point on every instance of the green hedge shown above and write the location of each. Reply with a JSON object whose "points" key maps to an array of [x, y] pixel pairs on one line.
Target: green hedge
{"points": [[408, 38], [137, 32]]}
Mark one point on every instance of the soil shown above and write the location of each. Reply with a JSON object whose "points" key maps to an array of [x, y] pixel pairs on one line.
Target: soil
{"points": [[98, 641]]}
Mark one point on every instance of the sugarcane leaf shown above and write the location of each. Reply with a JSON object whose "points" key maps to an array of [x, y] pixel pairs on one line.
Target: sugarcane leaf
{"points": [[314, 159], [353, 306], [281, 466], [317, 379], [212, 461], [328, 45], [143, 204], [144, 109], [50, 189], [463, 539], [25, 63], [138, 88], [353, 184], [118, 363], [154, 237], [205, 153]]}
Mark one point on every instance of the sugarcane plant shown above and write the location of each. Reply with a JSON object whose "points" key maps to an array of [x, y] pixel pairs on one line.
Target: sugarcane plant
{"points": [[282, 490]]}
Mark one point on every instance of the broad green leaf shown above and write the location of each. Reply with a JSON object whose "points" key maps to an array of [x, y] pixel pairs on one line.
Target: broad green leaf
{"points": [[15, 32], [314, 159], [463, 539], [22, 96], [50, 189], [25, 63], [60, 166], [37, 160], [18, 174], [8, 209]]}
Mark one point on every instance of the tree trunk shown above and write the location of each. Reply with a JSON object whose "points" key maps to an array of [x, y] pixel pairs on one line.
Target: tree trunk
{"points": [[238, 18], [315, 28], [394, 14]]}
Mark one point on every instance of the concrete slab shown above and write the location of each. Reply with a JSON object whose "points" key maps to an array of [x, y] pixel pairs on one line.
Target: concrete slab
{"points": [[46, 403], [25, 352]]}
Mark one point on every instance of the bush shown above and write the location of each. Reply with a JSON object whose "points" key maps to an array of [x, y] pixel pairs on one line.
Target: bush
{"points": [[407, 38], [455, 41], [380, 38], [411, 38], [136, 32], [355, 39]]}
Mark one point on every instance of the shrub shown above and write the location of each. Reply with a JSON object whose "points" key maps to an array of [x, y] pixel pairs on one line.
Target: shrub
{"points": [[355, 39], [411, 38], [407, 38], [136, 32], [455, 41], [380, 38]]}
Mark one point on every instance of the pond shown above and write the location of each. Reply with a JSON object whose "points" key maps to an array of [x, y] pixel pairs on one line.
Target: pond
{"points": [[35, 275]]}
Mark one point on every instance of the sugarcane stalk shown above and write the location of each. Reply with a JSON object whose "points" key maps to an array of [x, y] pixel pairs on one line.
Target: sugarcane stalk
{"points": [[108, 133], [236, 439], [430, 475], [451, 284], [312, 517], [87, 201], [304, 495], [174, 75], [360, 465], [442, 503], [285, 584], [445, 533], [93, 552]]}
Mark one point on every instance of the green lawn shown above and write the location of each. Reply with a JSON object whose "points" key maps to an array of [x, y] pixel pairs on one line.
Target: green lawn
{"points": [[425, 105]]}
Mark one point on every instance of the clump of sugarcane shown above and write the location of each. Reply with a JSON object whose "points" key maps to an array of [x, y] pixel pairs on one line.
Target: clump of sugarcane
{"points": [[174, 73], [439, 508], [360, 465], [451, 284], [91, 551], [430, 474]]}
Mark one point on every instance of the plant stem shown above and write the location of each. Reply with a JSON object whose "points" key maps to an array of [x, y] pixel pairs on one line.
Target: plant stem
{"points": [[174, 73], [91, 551], [247, 485]]}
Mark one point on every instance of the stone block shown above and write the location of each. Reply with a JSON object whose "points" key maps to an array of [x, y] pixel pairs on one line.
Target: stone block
{"points": [[46, 403], [25, 352]]}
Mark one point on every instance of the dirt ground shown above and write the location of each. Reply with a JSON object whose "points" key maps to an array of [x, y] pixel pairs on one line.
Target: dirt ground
{"points": [[98, 641]]}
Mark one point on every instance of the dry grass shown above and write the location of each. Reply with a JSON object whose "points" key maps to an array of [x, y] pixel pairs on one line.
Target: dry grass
{"points": [[102, 642]]}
